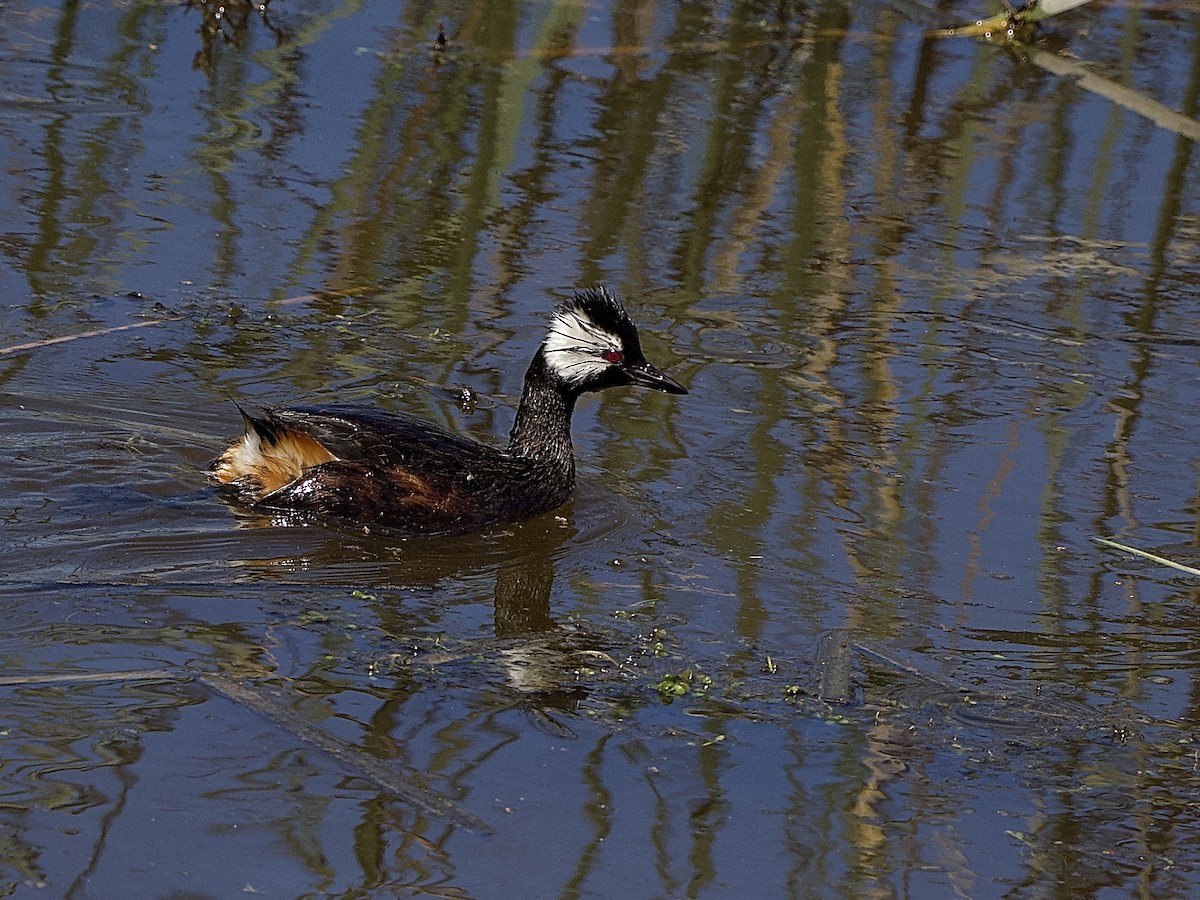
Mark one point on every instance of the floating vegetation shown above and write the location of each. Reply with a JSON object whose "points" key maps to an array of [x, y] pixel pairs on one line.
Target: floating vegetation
{"points": [[1012, 24], [679, 684]]}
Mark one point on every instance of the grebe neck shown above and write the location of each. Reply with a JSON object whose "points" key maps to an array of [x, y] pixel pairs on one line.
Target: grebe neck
{"points": [[542, 430]]}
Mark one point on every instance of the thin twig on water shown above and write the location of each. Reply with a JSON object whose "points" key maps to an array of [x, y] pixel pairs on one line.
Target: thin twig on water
{"points": [[35, 345]]}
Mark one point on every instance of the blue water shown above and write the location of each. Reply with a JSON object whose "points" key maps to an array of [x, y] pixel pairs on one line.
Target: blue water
{"points": [[935, 307]]}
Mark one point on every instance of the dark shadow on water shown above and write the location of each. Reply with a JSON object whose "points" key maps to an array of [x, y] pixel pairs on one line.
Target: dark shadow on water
{"points": [[360, 557]]}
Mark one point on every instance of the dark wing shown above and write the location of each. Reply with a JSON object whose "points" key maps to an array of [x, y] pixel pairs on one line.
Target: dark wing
{"points": [[380, 439]]}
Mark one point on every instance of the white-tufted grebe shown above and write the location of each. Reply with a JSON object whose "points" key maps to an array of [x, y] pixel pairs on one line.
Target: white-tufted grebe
{"points": [[400, 473]]}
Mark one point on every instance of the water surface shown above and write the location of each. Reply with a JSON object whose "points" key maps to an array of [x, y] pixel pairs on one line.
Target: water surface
{"points": [[832, 624]]}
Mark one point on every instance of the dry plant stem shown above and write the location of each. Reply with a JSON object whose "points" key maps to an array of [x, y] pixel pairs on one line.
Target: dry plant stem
{"points": [[89, 677], [1134, 101], [35, 345], [1153, 557], [1001, 29], [98, 332]]}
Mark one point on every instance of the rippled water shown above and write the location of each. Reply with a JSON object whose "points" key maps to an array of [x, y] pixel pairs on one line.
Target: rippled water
{"points": [[832, 624]]}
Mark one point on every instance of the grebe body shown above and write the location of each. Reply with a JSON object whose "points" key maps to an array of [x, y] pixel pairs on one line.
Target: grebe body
{"points": [[401, 473]]}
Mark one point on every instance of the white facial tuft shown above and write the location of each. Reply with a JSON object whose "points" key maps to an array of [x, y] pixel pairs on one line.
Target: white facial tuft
{"points": [[575, 346]]}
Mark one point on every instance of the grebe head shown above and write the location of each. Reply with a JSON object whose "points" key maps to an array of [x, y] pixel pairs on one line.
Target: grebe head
{"points": [[592, 345]]}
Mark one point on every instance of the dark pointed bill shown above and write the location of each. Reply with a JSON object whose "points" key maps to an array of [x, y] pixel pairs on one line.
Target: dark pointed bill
{"points": [[648, 376]]}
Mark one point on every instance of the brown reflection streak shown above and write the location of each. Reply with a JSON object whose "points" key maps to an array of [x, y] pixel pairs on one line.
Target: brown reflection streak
{"points": [[723, 183], [887, 303], [781, 130], [829, 303], [598, 810], [628, 141], [871, 836], [877, 407], [372, 197], [632, 125], [991, 493]]}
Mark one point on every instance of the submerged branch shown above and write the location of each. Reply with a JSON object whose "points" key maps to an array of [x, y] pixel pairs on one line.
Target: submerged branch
{"points": [[403, 785]]}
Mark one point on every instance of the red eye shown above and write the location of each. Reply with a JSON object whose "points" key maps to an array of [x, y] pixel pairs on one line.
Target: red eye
{"points": [[613, 356]]}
